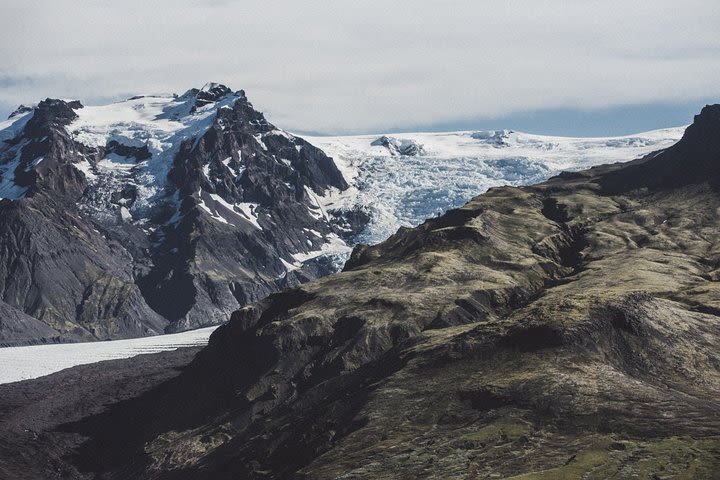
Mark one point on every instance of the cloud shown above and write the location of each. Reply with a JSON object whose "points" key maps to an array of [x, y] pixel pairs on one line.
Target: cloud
{"points": [[341, 66]]}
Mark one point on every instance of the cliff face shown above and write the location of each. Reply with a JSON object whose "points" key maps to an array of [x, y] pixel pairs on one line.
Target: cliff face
{"points": [[563, 330], [155, 214]]}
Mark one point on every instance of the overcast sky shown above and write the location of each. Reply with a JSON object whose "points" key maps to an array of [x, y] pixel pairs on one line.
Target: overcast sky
{"points": [[570, 66]]}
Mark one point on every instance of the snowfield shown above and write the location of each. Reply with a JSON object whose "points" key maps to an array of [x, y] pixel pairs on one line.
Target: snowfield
{"points": [[22, 363], [451, 168]]}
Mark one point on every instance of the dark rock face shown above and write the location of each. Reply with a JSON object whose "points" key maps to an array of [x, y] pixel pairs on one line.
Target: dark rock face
{"points": [[695, 158], [63, 273], [86, 250], [17, 328], [554, 330], [212, 92]]}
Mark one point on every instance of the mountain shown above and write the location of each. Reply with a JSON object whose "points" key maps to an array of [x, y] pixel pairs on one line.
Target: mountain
{"points": [[164, 213], [568, 329], [156, 214]]}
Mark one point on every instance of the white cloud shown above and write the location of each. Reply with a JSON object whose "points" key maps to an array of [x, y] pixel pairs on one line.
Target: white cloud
{"points": [[366, 65]]}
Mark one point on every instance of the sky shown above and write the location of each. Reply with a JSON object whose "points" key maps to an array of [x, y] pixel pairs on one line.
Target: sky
{"points": [[580, 67]]}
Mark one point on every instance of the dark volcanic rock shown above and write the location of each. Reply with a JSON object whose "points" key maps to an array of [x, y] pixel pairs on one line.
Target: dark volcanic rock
{"points": [[63, 273], [212, 92], [32, 412], [695, 158], [17, 328], [225, 265]]}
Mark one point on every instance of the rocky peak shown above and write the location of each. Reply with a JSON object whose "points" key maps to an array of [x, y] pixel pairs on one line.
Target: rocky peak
{"points": [[400, 146], [39, 158], [497, 138], [710, 114], [705, 129], [20, 110], [52, 113], [203, 206], [211, 92], [694, 159]]}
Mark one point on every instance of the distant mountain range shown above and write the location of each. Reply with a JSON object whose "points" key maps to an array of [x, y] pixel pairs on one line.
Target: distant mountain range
{"points": [[168, 212]]}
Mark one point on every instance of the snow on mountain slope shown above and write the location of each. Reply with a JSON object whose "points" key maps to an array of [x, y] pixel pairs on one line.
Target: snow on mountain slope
{"points": [[451, 168], [157, 123], [9, 129]]}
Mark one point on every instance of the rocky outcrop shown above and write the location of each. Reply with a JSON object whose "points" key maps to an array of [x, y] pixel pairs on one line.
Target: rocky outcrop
{"points": [[497, 138], [17, 328], [694, 159], [113, 228], [564, 330], [397, 146]]}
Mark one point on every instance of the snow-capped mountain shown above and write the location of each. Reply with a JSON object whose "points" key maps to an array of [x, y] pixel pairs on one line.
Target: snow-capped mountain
{"points": [[160, 213], [164, 213]]}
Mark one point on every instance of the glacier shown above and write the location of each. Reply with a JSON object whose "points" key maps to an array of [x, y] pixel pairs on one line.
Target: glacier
{"points": [[24, 363], [452, 167]]}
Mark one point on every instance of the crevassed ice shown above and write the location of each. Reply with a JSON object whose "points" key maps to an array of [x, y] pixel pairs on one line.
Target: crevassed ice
{"points": [[456, 166]]}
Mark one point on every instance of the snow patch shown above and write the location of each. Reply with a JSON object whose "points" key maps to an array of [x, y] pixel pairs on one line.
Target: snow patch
{"points": [[34, 163], [214, 214], [259, 139], [12, 127], [87, 169], [250, 213], [125, 214], [224, 212], [334, 246], [289, 267]]}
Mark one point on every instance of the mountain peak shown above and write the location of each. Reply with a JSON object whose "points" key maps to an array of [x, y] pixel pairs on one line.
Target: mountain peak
{"points": [[211, 92], [709, 114], [20, 110], [694, 159], [212, 86], [154, 173], [706, 126]]}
